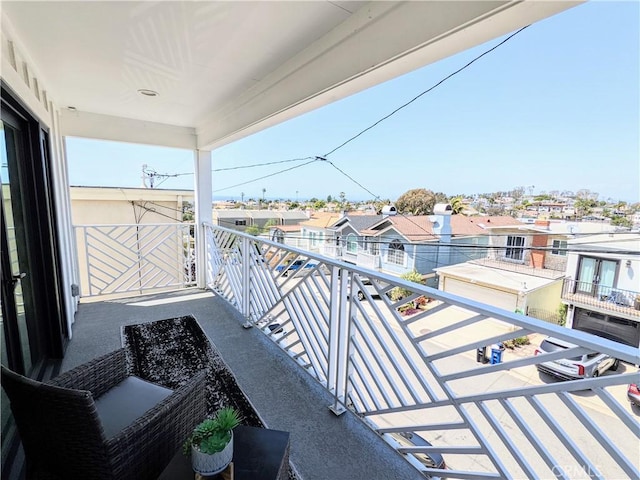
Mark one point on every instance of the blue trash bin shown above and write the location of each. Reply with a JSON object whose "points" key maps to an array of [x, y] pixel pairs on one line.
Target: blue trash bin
{"points": [[496, 353]]}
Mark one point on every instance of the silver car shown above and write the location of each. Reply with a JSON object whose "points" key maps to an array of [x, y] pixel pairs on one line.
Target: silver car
{"points": [[583, 366]]}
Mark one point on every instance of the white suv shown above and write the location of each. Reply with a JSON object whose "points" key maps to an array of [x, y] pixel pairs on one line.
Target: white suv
{"points": [[582, 366]]}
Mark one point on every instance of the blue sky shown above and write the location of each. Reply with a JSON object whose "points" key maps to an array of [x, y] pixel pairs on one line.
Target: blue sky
{"points": [[557, 107]]}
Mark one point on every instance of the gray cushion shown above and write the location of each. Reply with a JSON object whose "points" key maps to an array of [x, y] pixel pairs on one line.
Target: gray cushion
{"points": [[126, 402]]}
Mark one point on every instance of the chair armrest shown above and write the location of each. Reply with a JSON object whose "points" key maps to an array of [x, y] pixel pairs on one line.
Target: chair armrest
{"points": [[97, 376], [145, 448]]}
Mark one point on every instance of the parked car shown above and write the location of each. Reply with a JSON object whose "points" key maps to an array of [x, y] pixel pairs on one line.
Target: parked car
{"points": [[430, 460], [369, 288], [633, 394], [294, 266], [583, 366]]}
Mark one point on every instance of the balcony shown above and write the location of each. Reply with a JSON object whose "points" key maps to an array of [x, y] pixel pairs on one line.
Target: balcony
{"points": [[504, 263], [381, 371], [593, 296]]}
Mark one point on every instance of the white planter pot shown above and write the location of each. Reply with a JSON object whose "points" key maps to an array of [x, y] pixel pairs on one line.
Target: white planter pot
{"points": [[206, 464]]}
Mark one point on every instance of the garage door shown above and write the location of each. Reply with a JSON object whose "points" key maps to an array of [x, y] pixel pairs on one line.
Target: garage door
{"points": [[614, 328], [496, 298]]}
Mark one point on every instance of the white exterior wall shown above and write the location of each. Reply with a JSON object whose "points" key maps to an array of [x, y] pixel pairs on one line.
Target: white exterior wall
{"points": [[21, 75]]}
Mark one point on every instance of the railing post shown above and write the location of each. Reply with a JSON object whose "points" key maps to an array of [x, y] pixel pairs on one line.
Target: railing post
{"points": [[338, 339], [246, 280]]}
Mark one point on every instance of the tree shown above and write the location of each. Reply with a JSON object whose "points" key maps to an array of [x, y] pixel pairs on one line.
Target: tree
{"points": [[272, 222], [418, 201], [329, 198], [621, 222], [456, 205], [583, 206], [398, 293], [253, 230]]}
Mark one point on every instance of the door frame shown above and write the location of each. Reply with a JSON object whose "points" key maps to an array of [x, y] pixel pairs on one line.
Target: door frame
{"points": [[595, 283], [44, 307]]}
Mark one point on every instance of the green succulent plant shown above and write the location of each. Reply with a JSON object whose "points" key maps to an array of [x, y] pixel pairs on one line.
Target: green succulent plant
{"points": [[213, 434]]}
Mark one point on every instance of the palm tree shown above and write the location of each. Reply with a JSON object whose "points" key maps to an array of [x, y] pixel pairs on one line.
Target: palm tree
{"points": [[456, 205]]}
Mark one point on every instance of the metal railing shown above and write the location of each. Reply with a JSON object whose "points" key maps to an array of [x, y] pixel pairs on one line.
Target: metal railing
{"points": [[412, 365], [116, 259], [602, 297]]}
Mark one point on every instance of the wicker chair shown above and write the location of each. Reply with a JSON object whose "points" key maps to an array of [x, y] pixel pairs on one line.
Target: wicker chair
{"points": [[98, 422]]}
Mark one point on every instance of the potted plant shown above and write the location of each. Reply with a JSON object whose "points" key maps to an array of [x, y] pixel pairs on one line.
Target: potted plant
{"points": [[210, 445]]}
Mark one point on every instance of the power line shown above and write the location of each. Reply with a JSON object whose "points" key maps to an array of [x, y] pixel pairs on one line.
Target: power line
{"points": [[261, 164], [315, 159], [427, 90]]}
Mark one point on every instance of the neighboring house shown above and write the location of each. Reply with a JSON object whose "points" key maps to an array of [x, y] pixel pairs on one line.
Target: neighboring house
{"points": [[115, 227], [524, 268], [314, 232], [425, 242], [539, 245], [290, 235], [521, 292], [602, 288], [346, 242], [240, 219], [121, 206]]}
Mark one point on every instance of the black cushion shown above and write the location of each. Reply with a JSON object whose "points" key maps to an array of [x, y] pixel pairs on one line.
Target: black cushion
{"points": [[126, 402]]}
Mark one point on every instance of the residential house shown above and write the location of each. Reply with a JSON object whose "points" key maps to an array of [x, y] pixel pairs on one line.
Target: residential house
{"points": [[119, 205], [240, 219], [521, 292], [523, 267], [346, 242], [142, 216], [522, 270], [602, 286], [314, 232], [424, 242]]}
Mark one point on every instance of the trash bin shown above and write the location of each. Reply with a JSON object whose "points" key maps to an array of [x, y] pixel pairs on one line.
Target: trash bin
{"points": [[481, 355], [496, 353]]}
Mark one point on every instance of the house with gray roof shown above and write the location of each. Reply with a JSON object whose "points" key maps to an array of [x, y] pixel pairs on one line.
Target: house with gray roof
{"points": [[240, 219]]}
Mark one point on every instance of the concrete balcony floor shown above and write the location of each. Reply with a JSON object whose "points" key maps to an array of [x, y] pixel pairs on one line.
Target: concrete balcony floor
{"points": [[323, 446]]}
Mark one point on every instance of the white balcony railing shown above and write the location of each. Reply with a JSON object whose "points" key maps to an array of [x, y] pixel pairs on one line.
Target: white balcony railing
{"points": [[117, 259], [417, 371]]}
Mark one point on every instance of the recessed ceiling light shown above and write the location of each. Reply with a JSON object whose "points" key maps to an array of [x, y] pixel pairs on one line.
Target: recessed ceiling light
{"points": [[148, 93]]}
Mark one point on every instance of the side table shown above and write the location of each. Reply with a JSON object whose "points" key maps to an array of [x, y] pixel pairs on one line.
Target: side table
{"points": [[258, 454]]}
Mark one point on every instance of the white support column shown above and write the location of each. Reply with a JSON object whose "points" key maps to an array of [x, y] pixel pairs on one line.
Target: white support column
{"points": [[203, 192]]}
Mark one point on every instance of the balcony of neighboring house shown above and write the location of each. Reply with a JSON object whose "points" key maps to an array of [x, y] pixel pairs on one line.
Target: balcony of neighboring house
{"points": [[602, 298]]}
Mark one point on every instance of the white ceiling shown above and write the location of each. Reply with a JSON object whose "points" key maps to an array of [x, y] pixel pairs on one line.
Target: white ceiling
{"points": [[227, 69]]}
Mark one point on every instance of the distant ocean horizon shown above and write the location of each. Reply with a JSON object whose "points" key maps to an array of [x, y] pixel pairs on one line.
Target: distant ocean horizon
{"points": [[223, 198]]}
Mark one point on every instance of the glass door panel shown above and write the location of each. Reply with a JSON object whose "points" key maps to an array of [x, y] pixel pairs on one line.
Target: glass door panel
{"points": [[12, 273], [606, 277], [587, 275]]}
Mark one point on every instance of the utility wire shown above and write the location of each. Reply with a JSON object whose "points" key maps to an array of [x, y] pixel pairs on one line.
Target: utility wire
{"points": [[315, 159], [427, 91], [261, 164]]}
